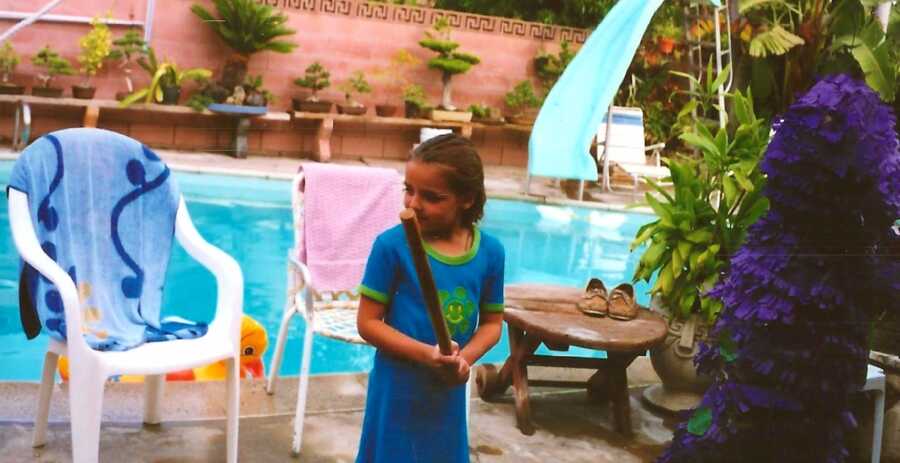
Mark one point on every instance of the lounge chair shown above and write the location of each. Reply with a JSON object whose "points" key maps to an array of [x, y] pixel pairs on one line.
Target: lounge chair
{"points": [[75, 293], [620, 140]]}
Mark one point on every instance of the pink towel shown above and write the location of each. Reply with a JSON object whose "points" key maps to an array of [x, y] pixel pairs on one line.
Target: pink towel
{"points": [[344, 210]]}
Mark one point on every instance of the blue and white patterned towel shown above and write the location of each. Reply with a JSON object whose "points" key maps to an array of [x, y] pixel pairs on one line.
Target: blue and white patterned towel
{"points": [[103, 206]]}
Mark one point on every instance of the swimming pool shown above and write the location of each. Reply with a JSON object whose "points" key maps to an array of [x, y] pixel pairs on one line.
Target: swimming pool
{"points": [[250, 219]]}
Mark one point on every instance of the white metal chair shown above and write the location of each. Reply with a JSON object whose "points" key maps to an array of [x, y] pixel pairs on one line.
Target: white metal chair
{"points": [[875, 381], [621, 136], [89, 369]]}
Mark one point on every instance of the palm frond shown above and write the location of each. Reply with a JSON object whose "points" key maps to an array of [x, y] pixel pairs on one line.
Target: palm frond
{"points": [[775, 41]]}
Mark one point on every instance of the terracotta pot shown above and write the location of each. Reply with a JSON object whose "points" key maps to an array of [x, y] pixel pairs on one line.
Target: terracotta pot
{"points": [[320, 106], [673, 360], [121, 95], [11, 89], [171, 95], [386, 110], [82, 92], [49, 92], [351, 109], [526, 116], [666, 45], [412, 111]]}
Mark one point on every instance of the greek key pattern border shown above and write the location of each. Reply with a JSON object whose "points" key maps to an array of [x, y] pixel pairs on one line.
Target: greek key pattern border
{"points": [[427, 16]]}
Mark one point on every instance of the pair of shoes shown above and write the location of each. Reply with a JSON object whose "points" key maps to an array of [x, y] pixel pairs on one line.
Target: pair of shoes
{"points": [[621, 303], [594, 301]]}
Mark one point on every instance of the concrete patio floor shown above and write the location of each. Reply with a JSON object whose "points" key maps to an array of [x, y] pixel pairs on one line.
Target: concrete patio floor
{"points": [[570, 427]]}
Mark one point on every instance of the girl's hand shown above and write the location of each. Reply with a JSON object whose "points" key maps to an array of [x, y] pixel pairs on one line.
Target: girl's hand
{"points": [[448, 368]]}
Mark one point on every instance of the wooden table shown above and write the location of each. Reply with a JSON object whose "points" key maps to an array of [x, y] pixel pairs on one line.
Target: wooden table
{"points": [[537, 314]]}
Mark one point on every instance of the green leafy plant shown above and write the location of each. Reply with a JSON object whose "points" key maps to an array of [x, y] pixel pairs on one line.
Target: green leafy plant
{"points": [[53, 64], [162, 75], [414, 94], [315, 78], [668, 29], [247, 27], [9, 59], [522, 96], [125, 50], [549, 66], [481, 111], [449, 61], [355, 85], [705, 217], [254, 86], [96, 47]]}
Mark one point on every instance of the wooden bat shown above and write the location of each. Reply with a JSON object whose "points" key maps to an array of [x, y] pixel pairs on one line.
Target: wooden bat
{"points": [[426, 280]]}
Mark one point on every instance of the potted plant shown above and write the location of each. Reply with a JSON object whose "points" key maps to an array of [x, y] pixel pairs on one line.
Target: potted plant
{"points": [[355, 85], [450, 62], [315, 78], [247, 27], [393, 79], [54, 65], [8, 62], [523, 103], [414, 101], [125, 50], [485, 114], [549, 66], [700, 224], [166, 80], [256, 95], [96, 47]]}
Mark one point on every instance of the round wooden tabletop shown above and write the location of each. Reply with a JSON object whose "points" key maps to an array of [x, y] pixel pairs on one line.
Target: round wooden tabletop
{"points": [[549, 312]]}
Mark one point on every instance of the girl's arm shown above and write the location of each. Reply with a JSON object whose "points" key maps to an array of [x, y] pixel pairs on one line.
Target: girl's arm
{"points": [[486, 335], [372, 328]]}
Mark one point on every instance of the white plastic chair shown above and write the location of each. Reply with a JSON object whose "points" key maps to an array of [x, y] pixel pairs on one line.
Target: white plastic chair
{"points": [[875, 381], [621, 136], [329, 314], [89, 369]]}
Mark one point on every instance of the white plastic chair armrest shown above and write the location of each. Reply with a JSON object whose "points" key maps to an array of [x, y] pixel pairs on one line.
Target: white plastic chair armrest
{"points": [[229, 279], [307, 284], [29, 248], [655, 151]]}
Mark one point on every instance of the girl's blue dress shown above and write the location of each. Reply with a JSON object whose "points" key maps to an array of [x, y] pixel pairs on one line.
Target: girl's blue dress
{"points": [[411, 416]]}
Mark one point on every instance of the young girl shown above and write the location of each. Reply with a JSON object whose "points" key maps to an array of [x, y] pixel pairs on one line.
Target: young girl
{"points": [[415, 408]]}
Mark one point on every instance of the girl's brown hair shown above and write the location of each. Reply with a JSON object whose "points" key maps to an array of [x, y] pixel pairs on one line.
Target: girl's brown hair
{"points": [[465, 173]]}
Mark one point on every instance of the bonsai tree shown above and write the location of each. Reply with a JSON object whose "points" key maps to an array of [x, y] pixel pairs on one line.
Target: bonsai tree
{"points": [[126, 49], [315, 78], [449, 61], [96, 47], [247, 27], [53, 64], [393, 77], [549, 66], [9, 59], [414, 100], [522, 97], [355, 85]]}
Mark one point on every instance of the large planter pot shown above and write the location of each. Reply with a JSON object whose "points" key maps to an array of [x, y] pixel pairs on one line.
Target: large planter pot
{"points": [[412, 110], [320, 106], [82, 92], [386, 110], [11, 89], [526, 116], [351, 109], [49, 92], [171, 95], [682, 387]]}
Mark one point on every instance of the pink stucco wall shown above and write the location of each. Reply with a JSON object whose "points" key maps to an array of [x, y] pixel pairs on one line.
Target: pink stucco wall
{"points": [[342, 43]]}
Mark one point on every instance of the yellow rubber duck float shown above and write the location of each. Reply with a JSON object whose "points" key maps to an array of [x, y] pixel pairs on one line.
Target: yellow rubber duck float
{"points": [[254, 341]]}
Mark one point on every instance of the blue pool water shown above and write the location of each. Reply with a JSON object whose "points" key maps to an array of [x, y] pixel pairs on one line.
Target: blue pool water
{"points": [[250, 219]]}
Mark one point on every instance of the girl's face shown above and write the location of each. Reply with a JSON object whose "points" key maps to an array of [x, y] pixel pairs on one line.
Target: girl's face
{"points": [[437, 207]]}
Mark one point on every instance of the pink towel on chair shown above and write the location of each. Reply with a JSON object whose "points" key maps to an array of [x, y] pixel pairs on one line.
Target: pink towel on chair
{"points": [[345, 208]]}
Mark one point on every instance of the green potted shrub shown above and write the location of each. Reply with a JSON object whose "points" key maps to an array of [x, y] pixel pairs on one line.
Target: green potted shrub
{"points": [[355, 85], [484, 114], [257, 95], [700, 223], [449, 62], [315, 78], [125, 50], [549, 66], [393, 80], [96, 47], [53, 65], [523, 104], [247, 27], [415, 103], [9, 59], [166, 79]]}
